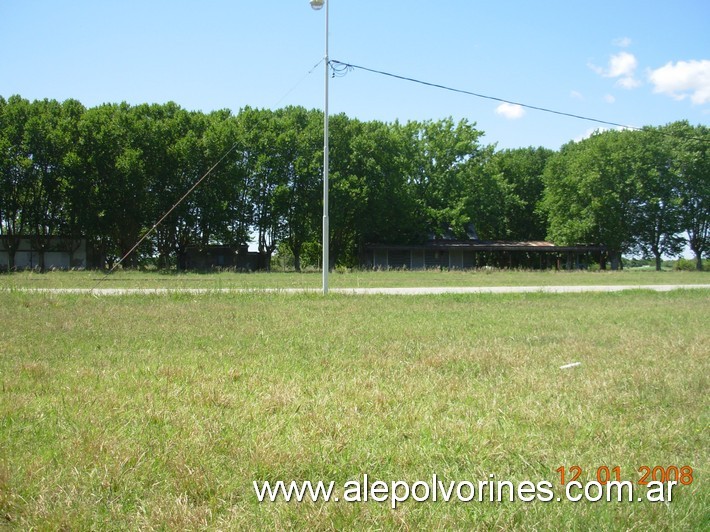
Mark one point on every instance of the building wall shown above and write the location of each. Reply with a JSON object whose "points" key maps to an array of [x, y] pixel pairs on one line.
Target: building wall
{"points": [[56, 258], [420, 258], [225, 257]]}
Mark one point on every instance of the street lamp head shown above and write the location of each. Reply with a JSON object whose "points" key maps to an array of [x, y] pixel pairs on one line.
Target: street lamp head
{"points": [[317, 4]]}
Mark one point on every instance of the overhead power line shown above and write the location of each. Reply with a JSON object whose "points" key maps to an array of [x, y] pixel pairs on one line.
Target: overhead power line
{"points": [[299, 82], [340, 69]]}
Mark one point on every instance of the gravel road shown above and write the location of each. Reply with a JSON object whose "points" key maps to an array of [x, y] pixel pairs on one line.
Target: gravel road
{"points": [[364, 291]]}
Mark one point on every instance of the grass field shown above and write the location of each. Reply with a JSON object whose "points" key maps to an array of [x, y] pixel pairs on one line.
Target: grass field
{"points": [[158, 412]]}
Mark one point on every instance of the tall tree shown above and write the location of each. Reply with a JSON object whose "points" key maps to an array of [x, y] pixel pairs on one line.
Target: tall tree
{"points": [[522, 170], [300, 139], [267, 171], [487, 201], [193, 164], [690, 146], [51, 130], [445, 156], [391, 215], [656, 208], [160, 131], [15, 176], [346, 196], [225, 212], [590, 187], [71, 230], [117, 208]]}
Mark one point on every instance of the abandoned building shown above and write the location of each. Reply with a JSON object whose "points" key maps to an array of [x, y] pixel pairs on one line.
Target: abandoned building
{"points": [[224, 257], [60, 254], [446, 251]]}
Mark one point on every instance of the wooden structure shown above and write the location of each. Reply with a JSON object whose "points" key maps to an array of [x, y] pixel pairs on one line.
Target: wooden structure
{"points": [[468, 254], [226, 257]]}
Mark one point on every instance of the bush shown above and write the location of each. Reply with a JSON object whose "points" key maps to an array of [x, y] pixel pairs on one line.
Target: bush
{"points": [[689, 265]]}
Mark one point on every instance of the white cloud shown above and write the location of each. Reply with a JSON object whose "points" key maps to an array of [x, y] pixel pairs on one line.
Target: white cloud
{"points": [[622, 42], [628, 82], [622, 66], [599, 70], [576, 95], [683, 79], [609, 98], [510, 111]]}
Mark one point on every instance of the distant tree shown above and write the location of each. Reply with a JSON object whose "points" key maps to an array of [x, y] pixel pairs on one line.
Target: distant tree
{"points": [[50, 132], [266, 173], [371, 197], [522, 171], [391, 215], [297, 199], [116, 201], [656, 207], [346, 193], [160, 133], [691, 165], [225, 211], [590, 188], [15, 176], [487, 201], [193, 165], [376, 171], [442, 171], [72, 230]]}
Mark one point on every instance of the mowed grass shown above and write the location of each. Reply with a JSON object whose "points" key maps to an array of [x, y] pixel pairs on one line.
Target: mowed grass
{"points": [[346, 279], [158, 412]]}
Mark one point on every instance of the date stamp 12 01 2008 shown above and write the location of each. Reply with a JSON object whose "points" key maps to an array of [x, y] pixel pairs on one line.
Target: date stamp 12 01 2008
{"points": [[683, 475]]}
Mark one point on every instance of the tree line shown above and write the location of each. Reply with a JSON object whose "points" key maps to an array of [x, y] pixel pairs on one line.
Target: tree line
{"points": [[107, 174]]}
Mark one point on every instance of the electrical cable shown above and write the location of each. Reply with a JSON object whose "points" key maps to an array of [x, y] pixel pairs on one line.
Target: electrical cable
{"points": [[340, 69], [299, 82]]}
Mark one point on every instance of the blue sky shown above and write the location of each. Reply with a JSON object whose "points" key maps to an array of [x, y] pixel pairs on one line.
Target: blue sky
{"points": [[627, 61]]}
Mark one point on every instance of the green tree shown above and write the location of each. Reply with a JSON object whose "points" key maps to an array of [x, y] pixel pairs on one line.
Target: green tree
{"points": [[690, 146], [381, 206], [267, 172], [379, 152], [487, 201], [50, 133], [115, 181], [203, 202], [522, 173], [165, 136], [71, 230], [225, 212], [300, 140], [15, 168], [346, 193], [447, 159], [656, 208], [371, 198], [590, 187]]}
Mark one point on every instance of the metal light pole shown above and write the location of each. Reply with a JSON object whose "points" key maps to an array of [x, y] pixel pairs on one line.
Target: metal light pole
{"points": [[318, 4]]}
